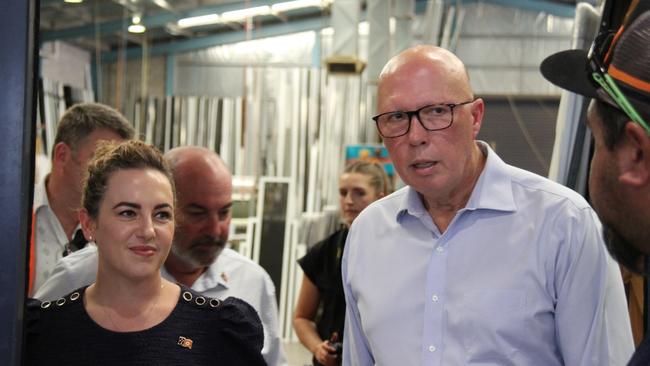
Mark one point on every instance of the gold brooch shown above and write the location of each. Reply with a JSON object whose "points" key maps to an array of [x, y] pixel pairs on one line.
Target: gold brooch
{"points": [[185, 342]]}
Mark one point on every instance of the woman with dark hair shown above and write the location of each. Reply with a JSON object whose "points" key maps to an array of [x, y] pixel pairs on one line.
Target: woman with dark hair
{"points": [[131, 315], [322, 332]]}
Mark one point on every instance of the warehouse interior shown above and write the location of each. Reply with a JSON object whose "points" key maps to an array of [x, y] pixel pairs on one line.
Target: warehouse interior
{"points": [[284, 92]]}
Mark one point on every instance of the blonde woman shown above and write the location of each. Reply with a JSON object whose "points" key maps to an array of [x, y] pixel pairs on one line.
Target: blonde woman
{"points": [[322, 333]]}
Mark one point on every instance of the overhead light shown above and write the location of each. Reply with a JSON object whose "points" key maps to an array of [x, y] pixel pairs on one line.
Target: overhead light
{"points": [[197, 21], [163, 4], [239, 15], [73, 1], [137, 28], [362, 29], [136, 25], [297, 4]]}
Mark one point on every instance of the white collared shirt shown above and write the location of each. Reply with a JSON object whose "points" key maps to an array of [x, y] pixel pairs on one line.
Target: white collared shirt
{"points": [[50, 238]]}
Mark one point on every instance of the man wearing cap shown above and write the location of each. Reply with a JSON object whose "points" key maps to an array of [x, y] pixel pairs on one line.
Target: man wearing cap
{"points": [[616, 74]]}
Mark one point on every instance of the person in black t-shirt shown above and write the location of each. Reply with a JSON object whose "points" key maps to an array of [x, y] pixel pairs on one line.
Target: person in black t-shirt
{"points": [[322, 331]]}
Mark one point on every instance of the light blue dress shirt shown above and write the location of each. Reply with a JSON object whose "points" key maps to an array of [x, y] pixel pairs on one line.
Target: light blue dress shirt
{"points": [[520, 277]]}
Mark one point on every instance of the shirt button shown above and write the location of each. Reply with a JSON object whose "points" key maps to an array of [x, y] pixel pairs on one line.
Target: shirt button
{"points": [[434, 298], [432, 348], [440, 249]]}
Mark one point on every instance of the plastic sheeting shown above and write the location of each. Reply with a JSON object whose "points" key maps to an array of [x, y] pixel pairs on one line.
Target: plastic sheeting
{"points": [[503, 47], [219, 71]]}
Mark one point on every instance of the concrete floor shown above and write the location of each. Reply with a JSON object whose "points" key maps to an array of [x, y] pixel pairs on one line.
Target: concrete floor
{"points": [[297, 354]]}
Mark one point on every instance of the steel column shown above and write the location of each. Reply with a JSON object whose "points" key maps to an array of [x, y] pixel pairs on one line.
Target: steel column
{"points": [[17, 69]]}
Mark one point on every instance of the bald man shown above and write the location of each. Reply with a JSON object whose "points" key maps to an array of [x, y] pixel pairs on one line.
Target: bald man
{"points": [[489, 264], [198, 258]]}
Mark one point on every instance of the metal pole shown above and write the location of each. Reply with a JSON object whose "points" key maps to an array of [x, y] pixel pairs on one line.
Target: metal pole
{"points": [[18, 19]]}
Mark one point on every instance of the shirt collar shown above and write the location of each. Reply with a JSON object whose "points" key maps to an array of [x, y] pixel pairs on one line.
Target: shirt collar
{"points": [[493, 189], [411, 203], [214, 276], [40, 195], [211, 278]]}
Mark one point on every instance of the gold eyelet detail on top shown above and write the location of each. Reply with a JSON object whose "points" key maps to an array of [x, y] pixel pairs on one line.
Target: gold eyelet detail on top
{"points": [[187, 296], [74, 296], [45, 304], [200, 300], [215, 303], [60, 301]]}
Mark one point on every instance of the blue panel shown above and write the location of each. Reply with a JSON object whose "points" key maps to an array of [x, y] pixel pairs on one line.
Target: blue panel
{"points": [[562, 10], [370, 153], [547, 6], [17, 85]]}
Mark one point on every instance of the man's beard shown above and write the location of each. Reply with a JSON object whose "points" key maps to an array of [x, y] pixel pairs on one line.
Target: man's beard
{"points": [[201, 252], [623, 251]]}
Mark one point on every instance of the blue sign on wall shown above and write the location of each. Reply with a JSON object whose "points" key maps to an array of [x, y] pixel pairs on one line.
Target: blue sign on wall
{"points": [[373, 153]]}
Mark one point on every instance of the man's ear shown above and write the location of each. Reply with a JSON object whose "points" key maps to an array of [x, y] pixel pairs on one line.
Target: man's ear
{"points": [[478, 109], [633, 155], [61, 153]]}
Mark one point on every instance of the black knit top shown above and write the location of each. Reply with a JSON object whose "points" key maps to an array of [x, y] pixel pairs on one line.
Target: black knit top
{"points": [[199, 331], [322, 265]]}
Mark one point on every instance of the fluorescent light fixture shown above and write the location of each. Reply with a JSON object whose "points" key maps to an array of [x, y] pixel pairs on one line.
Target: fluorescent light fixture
{"points": [[200, 20], [293, 5], [73, 1], [136, 26], [363, 29], [239, 15], [163, 4]]}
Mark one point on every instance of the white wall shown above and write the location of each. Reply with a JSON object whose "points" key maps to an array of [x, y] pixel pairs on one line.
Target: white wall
{"points": [[66, 64]]}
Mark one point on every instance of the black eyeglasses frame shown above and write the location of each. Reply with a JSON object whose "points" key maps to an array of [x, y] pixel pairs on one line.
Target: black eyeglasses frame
{"points": [[416, 113]]}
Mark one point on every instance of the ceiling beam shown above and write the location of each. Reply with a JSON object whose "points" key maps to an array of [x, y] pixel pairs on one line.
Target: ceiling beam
{"points": [[163, 18], [312, 24], [551, 7], [150, 21], [165, 5]]}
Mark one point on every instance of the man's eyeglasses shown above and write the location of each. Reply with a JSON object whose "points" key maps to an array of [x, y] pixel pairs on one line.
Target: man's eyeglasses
{"points": [[597, 59], [433, 117]]}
